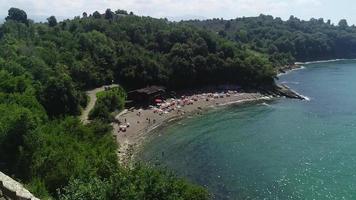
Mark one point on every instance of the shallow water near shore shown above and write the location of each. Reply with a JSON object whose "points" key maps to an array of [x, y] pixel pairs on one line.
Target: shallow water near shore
{"points": [[281, 149]]}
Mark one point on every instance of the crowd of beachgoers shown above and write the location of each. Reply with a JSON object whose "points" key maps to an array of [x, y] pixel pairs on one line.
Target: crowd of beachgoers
{"points": [[162, 107]]}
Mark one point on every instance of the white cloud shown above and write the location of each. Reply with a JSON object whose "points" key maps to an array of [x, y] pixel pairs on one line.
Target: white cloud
{"points": [[153, 7], [309, 2], [304, 9]]}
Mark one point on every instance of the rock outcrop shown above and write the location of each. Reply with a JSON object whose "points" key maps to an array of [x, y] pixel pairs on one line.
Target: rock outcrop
{"points": [[283, 90], [13, 190]]}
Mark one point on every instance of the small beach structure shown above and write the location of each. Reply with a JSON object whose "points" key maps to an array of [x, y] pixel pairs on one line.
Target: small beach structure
{"points": [[146, 96]]}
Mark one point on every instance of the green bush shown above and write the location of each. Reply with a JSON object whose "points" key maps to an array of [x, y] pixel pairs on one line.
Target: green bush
{"points": [[89, 189], [113, 99], [16, 123], [108, 102], [134, 184], [65, 149], [38, 187]]}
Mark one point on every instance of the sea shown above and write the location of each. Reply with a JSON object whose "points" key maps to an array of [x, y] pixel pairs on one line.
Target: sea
{"points": [[277, 149]]}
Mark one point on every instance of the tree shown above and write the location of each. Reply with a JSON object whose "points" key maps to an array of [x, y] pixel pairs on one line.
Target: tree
{"points": [[137, 183], [12, 84], [121, 12], [59, 97], [146, 183], [52, 21], [107, 102], [228, 25], [100, 112], [17, 15], [96, 15], [222, 33], [71, 150], [228, 50], [109, 14], [16, 122], [92, 189], [343, 23], [85, 15]]}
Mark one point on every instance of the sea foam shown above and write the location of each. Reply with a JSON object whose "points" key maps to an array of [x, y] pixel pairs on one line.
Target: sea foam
{"points": [[323, 61], [287, 72]]}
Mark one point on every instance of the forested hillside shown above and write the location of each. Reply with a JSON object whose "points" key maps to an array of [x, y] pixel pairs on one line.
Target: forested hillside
{"points": [[134, 51], [46, 67], [287, 41]]}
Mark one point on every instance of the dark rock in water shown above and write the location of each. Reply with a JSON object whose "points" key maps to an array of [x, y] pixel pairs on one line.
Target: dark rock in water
{"points": [[285, 91], [282, 71], [287, 68], [280, 91]]}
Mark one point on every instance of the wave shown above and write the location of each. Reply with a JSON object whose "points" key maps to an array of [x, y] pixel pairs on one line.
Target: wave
{"points": [[301, 64], [287, 72], [246, 100], [323, 61], [290, 82], [265, 104], [305, 97]]}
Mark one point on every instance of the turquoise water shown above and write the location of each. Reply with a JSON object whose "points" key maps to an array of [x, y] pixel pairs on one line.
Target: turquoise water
{"points": [[281, 149]]}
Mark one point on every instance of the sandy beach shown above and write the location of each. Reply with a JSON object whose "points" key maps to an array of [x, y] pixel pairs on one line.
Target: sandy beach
{"points": [[132, 126], [137, 124]]}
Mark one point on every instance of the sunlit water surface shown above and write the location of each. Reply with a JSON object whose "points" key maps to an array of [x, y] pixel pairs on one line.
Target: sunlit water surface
{"points": [[281, 149]]}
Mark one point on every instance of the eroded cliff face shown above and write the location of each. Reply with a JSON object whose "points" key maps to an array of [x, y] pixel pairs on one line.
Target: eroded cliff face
{"points": [[13, 190]]}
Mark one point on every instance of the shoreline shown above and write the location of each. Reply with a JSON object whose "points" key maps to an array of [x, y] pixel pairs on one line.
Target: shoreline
{"points": [[288, 69], [132, 141], [300, 65], [324, 61], [154, 132]]}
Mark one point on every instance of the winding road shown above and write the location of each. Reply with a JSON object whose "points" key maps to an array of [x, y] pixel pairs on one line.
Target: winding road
{"points": [[92, 101]]}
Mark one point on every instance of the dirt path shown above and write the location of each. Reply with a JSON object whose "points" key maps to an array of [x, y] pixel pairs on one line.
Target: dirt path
{"points": [[92, 101]]}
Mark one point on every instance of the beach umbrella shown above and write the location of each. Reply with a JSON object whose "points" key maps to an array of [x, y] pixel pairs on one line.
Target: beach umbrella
{"points": [[122, 128], [158, 100]]}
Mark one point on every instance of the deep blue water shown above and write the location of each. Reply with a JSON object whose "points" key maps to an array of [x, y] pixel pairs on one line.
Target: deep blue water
{"points": [[281, 149]]}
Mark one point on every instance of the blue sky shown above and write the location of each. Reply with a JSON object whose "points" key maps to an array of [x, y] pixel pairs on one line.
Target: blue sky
{"points": [[304, 9]]}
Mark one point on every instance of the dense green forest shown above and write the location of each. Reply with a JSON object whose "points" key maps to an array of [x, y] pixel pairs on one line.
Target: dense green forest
{"points": [[46, 67], [287, 41], [134, 51]]}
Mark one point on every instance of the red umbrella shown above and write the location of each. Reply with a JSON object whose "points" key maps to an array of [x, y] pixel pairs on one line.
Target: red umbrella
{"points": [[158, 100]]}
